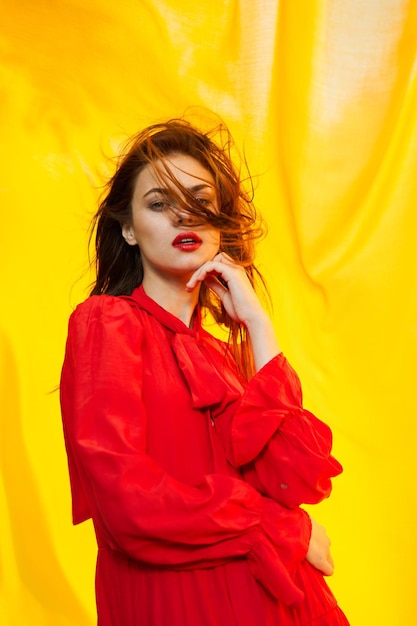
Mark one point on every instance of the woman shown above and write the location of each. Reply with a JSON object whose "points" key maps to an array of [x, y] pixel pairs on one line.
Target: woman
{"points": [[191, 456]]}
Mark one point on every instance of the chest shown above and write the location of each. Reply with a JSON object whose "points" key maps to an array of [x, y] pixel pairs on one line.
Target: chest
{"points": [[180, 435]]}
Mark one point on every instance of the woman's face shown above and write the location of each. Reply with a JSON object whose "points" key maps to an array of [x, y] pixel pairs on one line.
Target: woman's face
{"points": [[171, 242]]}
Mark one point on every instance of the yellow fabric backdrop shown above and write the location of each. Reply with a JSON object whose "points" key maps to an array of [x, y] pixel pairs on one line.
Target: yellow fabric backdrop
{"points": [[322, 95]]}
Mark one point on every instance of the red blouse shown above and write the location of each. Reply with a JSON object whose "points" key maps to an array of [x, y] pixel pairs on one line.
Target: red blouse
{"points": [[183, 466]]}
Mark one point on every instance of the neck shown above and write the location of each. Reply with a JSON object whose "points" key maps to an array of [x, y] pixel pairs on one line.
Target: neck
{"points": [[173, 297]]}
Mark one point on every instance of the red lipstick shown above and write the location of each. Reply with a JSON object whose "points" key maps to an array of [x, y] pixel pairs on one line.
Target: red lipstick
{"points": [[187, 242]]}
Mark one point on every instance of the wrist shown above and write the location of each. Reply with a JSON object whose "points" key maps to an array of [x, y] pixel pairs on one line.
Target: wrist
{"points": [[263, 340], [260, 322]]}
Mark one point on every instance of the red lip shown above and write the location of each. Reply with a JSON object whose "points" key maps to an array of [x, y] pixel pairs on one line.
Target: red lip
{"points": [[187, 240]]}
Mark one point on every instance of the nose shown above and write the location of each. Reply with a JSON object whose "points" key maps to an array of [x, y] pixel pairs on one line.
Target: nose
{"points": [[183, 218]]}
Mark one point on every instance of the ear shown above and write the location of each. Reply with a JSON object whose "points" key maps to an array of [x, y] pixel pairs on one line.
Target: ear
{"points": [[128, 234]]}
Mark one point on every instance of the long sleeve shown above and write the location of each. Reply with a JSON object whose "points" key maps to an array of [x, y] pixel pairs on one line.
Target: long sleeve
{"points": [[139, 508], [282, 449]]}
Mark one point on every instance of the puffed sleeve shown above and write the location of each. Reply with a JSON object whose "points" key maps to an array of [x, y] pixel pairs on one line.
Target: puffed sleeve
{"points": [[140, 509], [282, 449]]}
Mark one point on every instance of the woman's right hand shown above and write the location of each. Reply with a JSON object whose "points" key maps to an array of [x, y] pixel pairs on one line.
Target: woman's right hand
{"points": [[318, 554], [241, 303]]}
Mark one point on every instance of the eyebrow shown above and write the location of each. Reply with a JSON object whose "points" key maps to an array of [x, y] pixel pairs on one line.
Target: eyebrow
{"points": [[165, 191]]}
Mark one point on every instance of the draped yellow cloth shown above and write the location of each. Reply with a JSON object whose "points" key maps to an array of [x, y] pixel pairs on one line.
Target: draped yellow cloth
{"points": [[321, 94]]}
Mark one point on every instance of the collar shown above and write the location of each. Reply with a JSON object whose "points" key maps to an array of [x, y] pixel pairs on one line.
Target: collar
{"points": [[139, 297]]}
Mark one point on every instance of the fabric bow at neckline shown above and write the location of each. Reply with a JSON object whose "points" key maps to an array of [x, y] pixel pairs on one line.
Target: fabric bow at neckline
{"points": [[206, 385]]}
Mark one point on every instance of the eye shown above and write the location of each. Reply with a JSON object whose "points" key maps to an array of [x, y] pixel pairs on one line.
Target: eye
{"points": [[204, 201], [207, 203], [158, 205]]}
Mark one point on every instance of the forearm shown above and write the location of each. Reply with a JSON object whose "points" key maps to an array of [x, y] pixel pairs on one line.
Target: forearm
{"points": [[263, 340]]}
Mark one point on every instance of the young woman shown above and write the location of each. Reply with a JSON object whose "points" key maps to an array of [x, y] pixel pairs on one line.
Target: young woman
{"points": [[191, 455]]}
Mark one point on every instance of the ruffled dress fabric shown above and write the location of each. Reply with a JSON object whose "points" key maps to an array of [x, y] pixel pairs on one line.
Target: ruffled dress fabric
{"points": [[192, 476]]}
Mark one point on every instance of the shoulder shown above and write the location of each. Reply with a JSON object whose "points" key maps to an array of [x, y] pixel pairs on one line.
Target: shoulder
{"points": [[101, 307], [104, 335], [101, 316]]}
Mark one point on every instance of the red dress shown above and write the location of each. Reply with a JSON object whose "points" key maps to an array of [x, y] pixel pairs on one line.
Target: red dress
{"points": [[193, 477]]}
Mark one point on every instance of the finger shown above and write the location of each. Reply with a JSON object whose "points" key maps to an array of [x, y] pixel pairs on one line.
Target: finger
{"points": [[330, 560], [215, 285], [222, 257], [329, 570], [198, 276], [327, 567], [211, 267]]}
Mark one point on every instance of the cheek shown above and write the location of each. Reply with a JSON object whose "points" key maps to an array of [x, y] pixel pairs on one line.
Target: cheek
{"points": [[148, 231], [216, 238]]}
